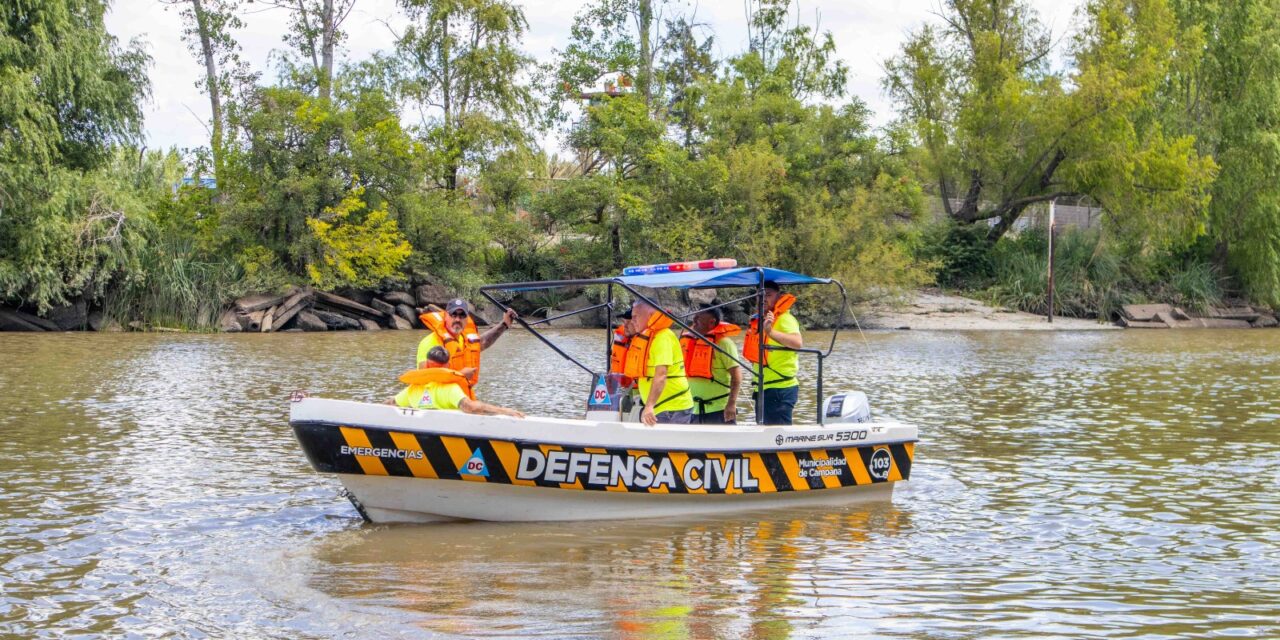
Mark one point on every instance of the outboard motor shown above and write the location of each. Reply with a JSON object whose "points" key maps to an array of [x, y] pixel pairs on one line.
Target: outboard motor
{"points": [[847, 407]]}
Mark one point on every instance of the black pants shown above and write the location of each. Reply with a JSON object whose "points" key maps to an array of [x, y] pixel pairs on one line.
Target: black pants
{"points": [[712, 417], [779, 403]]}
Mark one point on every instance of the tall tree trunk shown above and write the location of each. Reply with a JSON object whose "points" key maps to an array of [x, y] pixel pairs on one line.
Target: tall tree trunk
{"points": [[645, 79], [211, 85], [328, 34], [446, 102]]}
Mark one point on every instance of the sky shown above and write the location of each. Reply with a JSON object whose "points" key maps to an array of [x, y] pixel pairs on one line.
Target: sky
{"points": [[867, 32]]}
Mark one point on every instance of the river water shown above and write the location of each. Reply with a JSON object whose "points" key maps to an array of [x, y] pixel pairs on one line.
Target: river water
{"points": [[1110, 484]]}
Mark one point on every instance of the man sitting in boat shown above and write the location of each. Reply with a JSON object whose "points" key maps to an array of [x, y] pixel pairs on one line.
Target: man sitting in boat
{"points": [[654, 359], [435, 386], [455, 331], [714, 378], [781, 389]]}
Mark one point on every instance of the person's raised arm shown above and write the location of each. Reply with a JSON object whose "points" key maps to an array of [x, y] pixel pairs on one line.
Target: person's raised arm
{"points": [[491, 336], [788, 340]]}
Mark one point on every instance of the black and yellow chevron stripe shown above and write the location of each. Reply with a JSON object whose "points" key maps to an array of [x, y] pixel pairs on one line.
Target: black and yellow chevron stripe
{"points": [[373, 451]]}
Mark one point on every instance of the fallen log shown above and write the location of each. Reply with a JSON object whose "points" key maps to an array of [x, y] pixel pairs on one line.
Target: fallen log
{"points": [[14, 320], [1145, 312], [259, 302], [289, 308], [340, 304], [268, 319], [384, 307]]}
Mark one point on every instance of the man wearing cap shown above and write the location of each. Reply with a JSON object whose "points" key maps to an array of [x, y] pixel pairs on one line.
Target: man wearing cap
{"points": [[780, 329], [455, 330], [714, 377]]}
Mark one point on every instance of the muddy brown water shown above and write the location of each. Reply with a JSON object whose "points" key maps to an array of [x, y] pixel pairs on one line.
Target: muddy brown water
{"points": [[1117, 484]]}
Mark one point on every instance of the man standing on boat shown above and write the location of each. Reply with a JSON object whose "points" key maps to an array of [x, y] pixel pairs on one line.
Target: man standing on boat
{"points": [[435, 386], [455, 331], [654, 359], [781, 389], [714, 378]]}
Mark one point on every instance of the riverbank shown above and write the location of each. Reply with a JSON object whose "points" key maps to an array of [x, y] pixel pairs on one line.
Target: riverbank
{"points": [[935, 310], [928, 309]]}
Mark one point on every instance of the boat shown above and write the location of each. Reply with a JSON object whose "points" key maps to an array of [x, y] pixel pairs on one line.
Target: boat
{"points": [[410, 465]]}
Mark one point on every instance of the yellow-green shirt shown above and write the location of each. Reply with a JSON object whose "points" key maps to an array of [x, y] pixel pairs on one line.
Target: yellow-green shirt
{"points": [[718, 385], [665, 350], [780, 373], [433, 395], [432, 340]]}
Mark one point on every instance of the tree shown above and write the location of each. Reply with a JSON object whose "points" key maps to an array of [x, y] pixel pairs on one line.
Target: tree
{"points": [[459, 63], [208, 34], [1226, 94], [1002, 131], [69, 93], [315, 30]]}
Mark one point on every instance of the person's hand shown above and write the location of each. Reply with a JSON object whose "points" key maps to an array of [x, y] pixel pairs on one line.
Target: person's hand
{"points": [[508, 318], [514, 414], [768, 323], [730, 413], [467, 372], [648, 417]]}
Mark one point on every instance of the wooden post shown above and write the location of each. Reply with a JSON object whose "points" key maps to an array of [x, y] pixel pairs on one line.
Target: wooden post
{"points": [[1052, 225]]}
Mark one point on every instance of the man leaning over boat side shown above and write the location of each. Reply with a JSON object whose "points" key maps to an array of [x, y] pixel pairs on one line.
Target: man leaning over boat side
{"points": [[654, 359], [781, 389], [435, 386], [714, 378], [455, 331]]}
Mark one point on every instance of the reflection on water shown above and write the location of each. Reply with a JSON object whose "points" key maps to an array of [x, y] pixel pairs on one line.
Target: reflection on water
{"points": [[1111, 484]]}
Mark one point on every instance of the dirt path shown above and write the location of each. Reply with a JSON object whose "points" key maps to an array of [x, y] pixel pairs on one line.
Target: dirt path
{"points": [[933, 310]]}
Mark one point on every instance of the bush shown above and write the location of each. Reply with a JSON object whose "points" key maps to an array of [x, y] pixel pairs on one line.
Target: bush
{"points": [[960, 253], [1089, 281]]}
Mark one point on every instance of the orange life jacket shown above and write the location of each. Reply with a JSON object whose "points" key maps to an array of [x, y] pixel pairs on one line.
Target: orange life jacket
{"points": [[698, 354], [637, 356], [618, 353], [438, 375], [751, 342], [464, 350]]}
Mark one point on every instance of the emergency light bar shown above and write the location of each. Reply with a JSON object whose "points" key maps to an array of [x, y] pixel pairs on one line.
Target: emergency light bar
{"points": [[677, 267]]}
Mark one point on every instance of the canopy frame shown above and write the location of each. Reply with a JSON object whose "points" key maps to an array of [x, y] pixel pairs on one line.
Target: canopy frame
{"points": [[628, 283]]}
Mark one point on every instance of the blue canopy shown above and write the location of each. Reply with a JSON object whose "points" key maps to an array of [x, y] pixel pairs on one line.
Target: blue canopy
{"points": [[711, 278], [735, 277]]}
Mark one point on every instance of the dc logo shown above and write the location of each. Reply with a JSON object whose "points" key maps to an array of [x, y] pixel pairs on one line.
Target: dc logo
{"points": [[475, 466], [778, 440], [880, 464]]}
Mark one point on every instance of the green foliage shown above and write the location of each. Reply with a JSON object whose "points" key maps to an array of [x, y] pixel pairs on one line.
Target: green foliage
{"points": [[960, 253], [67, 93], [1226, 94], [1001, 130], [1088, 277], [351, 253]]}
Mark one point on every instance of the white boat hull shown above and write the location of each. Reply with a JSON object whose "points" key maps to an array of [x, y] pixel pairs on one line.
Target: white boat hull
{"points": [[422, 466]]}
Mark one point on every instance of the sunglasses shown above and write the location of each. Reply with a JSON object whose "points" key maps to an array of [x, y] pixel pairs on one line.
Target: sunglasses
{"points": [[459, 314]]}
